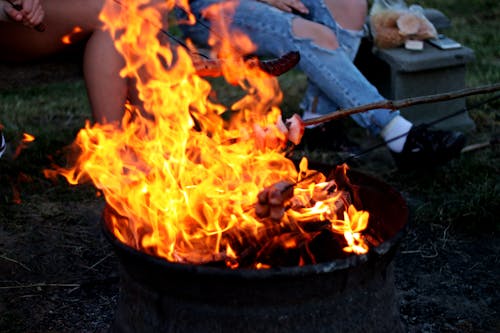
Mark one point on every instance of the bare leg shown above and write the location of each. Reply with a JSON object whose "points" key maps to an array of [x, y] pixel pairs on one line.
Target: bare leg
{"points": [[350, 14], [107, 91], [19, 43]]}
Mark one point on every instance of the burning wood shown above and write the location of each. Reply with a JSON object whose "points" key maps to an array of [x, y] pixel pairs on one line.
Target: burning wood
{"points": [[272, 199], [182, 185], [305, 210], [322, 293]]}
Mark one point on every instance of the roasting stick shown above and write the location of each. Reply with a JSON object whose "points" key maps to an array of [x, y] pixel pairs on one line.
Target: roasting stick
{"points": [[398, 104], [394, 105], [40, 27]]}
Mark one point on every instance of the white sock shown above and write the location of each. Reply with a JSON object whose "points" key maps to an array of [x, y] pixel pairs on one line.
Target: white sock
{"points": [[396, 127]]}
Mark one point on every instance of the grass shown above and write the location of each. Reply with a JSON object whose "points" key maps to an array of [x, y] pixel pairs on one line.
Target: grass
{"points": [[465, 193], [475, 24]]}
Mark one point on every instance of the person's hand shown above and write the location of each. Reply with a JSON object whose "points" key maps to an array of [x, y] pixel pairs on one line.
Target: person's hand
{"points": [[288, 5], [30, 15]]}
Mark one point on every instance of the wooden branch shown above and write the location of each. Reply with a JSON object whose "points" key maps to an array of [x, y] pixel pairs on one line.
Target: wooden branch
{"points": [[477, 146], [16, 262], [40, 285], [398, 104]]}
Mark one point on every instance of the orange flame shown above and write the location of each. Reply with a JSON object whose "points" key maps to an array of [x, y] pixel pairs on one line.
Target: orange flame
{"points": [[68, 39], [26, 139], [181, 179]]}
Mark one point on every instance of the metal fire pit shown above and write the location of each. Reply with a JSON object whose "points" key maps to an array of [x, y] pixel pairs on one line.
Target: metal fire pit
{"points": [[353, 294]]}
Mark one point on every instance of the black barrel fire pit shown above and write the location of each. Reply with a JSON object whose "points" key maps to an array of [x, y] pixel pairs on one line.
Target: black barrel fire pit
{"points": [[352, 294]]}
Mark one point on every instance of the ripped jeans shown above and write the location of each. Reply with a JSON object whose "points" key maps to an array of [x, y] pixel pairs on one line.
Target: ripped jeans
{"points": [[333, 80]]}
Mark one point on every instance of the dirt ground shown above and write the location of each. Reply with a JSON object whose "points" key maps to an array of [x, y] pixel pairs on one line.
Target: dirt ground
{"points": [[59, 274]]}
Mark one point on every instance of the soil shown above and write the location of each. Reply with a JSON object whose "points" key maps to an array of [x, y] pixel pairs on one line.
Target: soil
{"points": [[59, 274]]}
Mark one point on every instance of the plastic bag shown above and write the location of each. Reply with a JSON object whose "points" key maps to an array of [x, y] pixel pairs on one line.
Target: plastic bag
{"points": [[392, 23]]}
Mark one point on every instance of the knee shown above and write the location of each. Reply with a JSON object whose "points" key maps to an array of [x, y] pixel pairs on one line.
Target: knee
{"points": [[359, 10], [321, 35], [350, 14]]}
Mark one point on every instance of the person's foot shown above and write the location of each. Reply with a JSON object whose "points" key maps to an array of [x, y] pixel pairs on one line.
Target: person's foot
{"points": [[3, 144], [426, 148]]}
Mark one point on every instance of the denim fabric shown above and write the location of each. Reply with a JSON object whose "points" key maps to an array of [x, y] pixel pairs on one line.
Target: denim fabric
{"points": [[3, 144], [332, 77]]}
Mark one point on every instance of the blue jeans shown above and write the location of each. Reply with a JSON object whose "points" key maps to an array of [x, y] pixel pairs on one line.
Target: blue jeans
{"points": [[3, 144], [333, 79]]}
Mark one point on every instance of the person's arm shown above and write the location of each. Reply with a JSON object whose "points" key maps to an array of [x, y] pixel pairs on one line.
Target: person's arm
{"points": [[31, 13], [288, 5]]}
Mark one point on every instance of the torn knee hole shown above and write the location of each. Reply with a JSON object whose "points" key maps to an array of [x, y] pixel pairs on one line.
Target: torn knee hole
{"points": [[321, 35]]}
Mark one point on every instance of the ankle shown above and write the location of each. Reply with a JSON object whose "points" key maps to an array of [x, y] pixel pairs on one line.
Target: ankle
{"points": [[395, 133]]}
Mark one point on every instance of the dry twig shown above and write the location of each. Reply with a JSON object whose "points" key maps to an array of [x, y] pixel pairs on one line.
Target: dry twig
{"points": [[481, 145], [16, 262], [100, 261], [41, 285]]}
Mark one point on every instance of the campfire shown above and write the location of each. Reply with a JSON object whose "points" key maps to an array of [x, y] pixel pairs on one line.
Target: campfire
{"points": [[355, 293], [215, 228], [193, 181]]}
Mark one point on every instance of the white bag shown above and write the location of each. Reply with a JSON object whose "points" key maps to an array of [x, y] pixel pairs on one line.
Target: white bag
{"points": [[392, 23]]}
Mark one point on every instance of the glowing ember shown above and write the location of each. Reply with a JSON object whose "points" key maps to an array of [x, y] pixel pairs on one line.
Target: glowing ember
{"points": [[68, 39], [28, 137], [182, 180]]}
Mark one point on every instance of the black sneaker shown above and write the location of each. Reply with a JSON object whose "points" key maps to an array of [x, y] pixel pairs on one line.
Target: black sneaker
{"points": [[426, 148]]}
